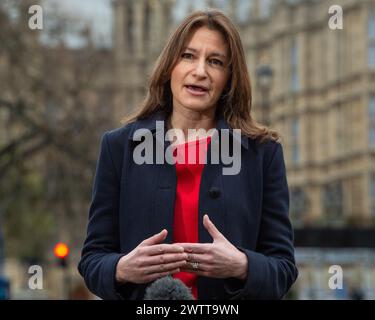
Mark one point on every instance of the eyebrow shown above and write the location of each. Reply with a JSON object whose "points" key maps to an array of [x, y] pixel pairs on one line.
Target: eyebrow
{"points": [[215, 54]]}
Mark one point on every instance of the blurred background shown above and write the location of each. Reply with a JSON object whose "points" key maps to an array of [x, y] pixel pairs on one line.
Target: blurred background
{"points": [[63, 86]]}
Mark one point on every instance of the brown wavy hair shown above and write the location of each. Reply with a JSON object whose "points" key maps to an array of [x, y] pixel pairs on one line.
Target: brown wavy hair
{"points": [[235, 101]]}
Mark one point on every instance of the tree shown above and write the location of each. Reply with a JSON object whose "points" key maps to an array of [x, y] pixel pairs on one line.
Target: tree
{"points": [[55, 102]]}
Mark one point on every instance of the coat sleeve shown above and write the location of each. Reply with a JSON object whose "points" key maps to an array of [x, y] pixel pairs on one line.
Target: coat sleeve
{"points": [[271, 267], [100, 253]]}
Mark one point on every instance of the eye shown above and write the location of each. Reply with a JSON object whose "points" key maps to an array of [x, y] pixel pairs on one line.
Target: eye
{"points": [[216, 62], [187, 56]]}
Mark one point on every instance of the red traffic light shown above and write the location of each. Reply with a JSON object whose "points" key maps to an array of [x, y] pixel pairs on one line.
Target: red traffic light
{"points": [[61, 250]]}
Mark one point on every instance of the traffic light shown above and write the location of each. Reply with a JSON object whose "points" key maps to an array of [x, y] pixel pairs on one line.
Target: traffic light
{"points": [[61, 252]]}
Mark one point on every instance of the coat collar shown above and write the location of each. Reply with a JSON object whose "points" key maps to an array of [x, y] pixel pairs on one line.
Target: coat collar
{"points": [[150, 124]]}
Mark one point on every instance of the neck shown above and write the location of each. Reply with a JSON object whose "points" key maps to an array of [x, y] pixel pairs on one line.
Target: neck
{"points": [[192, 120]]}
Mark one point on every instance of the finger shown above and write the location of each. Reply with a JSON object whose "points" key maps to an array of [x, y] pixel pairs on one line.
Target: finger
{"points": [[155, 239], [200, 258], [190, 257], [155, 276], [167, 267], [196, 247], [165, 258], [211, 228], [158, 249]]}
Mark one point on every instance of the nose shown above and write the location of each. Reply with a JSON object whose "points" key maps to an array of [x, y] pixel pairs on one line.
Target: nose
{"points": [[200, 69]]}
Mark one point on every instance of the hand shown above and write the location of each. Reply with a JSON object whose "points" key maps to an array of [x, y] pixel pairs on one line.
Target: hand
{"points": [[219, 259], [150, 260]]}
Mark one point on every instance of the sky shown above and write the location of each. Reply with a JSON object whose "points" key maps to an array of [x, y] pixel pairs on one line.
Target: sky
{"points": [[98, 14]]}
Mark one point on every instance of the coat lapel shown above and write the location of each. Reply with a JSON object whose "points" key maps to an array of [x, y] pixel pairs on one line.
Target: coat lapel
{"points": [[164, 198]]}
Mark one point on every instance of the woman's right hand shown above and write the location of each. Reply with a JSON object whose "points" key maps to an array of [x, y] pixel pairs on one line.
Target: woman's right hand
{"points": [[151, 260]]}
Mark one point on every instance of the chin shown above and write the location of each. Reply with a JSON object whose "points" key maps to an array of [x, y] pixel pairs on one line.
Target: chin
{"points": [[198, 107]]}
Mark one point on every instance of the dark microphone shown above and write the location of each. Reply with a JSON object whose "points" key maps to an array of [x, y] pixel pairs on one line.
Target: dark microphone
{"points": [[168, 288]]}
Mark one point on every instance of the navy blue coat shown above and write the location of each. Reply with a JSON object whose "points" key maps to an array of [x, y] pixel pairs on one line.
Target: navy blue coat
{"points": [[132, 202]]}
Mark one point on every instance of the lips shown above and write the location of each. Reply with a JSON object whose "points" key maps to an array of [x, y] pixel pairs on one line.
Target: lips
{"points": [[196, 89]]}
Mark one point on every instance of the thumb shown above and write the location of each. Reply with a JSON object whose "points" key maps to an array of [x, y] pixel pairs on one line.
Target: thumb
{"points": [[211, 228], [155, 239]]}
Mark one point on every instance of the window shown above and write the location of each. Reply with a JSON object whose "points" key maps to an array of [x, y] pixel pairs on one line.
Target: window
{"points": [[147, 23], [342, 129], [298, 204], [371, 38], [333, 200], [372, 195], [243, 10], [246, 8], [294, 81], [295, 141], [371, 117], [265, 8], [129, 27]]}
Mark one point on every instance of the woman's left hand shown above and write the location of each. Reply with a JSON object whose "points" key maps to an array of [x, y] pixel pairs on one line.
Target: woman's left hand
{"points": [[219, 259]]}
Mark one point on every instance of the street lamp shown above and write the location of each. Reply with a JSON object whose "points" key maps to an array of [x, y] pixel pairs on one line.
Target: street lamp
{"points": [[265, 76]]}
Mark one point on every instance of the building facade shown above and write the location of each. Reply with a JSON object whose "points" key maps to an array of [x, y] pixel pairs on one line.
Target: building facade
{"points": [[322, 101], [140, 29], [321, 95]]}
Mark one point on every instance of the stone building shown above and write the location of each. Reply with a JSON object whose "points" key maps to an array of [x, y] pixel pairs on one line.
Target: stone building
{"points": [[140, 31], [323, 103], [320, 94]]}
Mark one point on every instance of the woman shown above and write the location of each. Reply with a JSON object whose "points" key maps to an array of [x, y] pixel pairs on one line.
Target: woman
{"points": [[224, 236]]}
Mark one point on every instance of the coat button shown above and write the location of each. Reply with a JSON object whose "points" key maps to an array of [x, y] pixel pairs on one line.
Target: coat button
{"points": [[214, 193]]}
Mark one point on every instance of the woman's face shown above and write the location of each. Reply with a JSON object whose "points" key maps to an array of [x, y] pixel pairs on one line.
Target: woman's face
{"points": [[199, 77]]}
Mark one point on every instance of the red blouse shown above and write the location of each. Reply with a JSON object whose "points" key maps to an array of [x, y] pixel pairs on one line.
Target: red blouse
{"points": [[189, 174]]}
